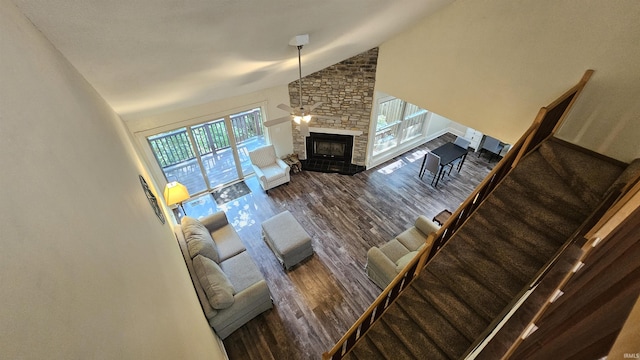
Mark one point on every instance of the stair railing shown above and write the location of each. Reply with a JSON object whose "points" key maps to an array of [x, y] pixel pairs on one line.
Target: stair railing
{"points": [[545, 125]]}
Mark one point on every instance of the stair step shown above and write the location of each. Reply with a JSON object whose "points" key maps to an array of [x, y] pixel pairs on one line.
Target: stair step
{"points": [[479, 298], [540, 221], [513, 258], [519, 234], [454, 308], [580, 170], [534, 179]]}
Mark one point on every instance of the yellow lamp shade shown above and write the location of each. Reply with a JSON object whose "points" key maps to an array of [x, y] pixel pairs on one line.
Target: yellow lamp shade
{"points": [[175, 193]]}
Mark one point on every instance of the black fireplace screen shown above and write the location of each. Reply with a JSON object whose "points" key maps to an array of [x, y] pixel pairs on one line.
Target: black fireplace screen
{"points": [[330, 146]]}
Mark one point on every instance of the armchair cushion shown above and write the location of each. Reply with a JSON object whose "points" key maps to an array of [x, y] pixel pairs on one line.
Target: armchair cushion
{"points": [[263, 156], [273, 172]]}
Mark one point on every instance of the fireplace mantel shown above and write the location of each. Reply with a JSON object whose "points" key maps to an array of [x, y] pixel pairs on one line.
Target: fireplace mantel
{"points": [[335, 131]]}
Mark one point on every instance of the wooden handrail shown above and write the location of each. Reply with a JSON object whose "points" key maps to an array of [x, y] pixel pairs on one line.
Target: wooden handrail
{"points": [[546, 121]]}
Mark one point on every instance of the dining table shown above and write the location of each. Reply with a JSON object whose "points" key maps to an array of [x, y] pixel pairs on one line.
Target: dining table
{"points": [[448, 153]]}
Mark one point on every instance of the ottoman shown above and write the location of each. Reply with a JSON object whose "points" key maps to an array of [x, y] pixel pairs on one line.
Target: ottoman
{"points": [[287, 239]]}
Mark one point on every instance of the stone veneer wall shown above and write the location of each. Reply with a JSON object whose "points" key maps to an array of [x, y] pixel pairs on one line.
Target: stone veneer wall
{"points": [[346, 91]]}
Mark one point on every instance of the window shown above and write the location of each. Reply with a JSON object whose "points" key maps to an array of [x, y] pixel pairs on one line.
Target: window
{"points": [[398, 122]]}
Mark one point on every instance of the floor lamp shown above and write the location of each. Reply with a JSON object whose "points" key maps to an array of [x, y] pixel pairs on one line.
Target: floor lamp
{"points": [[176, 193]]}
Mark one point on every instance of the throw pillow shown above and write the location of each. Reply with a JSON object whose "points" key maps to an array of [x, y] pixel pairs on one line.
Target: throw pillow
{"points": [[198, 239], [215, 283], [403, 261]]}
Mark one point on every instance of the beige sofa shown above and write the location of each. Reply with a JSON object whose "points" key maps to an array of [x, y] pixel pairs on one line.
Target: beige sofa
{"points": [[230, 287], [386, 261]]}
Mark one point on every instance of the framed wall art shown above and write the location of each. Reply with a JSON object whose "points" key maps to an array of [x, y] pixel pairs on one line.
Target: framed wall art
{"points": [[152, 199]]}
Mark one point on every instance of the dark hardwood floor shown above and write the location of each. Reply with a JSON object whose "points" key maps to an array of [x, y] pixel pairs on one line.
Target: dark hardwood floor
{"points": [[319, 299]]}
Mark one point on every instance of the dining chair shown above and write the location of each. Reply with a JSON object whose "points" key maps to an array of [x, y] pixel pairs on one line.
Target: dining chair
{"points": [[432, 164], [492, 145], [462, 142]]}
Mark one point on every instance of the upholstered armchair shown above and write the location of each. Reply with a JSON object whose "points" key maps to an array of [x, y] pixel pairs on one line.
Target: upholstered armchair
{"points": [[270, 170]]}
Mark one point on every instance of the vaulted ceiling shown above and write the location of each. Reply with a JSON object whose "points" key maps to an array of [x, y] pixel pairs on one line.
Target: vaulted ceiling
{"points": [[150, 56]]}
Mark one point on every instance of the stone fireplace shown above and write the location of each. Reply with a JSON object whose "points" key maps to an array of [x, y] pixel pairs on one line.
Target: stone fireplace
{"points": [[346, 91]]}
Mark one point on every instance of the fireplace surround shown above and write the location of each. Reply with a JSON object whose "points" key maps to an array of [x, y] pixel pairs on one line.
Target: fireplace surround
{"points": [[330, 153]]}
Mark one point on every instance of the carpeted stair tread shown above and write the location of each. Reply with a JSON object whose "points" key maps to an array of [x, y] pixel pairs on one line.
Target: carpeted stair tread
{"points": [[502, 252], [544, 222], [522, 235], [390, 347], [365, 350], [528, 187], [455, 309], [414, 321], [483, 271], [479, 298], [591, 174]]}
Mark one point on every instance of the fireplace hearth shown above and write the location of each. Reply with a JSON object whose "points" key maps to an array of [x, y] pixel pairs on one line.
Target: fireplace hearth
{"points": [[330, 153]]}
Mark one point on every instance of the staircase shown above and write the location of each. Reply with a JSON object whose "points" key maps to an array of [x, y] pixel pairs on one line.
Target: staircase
{"points": [[492, 257]]}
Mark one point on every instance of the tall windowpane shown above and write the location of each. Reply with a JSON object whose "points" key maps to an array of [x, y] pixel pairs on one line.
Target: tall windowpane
{"points": [[174, 152], [398, 122], [249, 134], [413, 122], [389, 118]]}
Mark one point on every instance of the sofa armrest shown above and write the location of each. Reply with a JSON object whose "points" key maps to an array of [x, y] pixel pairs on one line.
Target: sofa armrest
{"points": [[425, 225], [283, 165], [380, 268], [247, 304], [215, 221]]}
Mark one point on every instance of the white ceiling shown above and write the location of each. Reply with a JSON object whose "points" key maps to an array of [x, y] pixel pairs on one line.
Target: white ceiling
{"points": [[150, 56]]}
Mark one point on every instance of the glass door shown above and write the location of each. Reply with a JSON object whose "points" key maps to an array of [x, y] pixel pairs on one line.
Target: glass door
{"points": [[214, 148], [174, 153], [210, 154]]}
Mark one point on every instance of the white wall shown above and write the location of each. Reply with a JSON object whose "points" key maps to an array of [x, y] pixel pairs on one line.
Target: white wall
{"points": [[492, 64], [87, 271]]}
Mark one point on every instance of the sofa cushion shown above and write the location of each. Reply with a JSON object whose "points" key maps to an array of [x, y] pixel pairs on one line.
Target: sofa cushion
{"points": [[403, 261], [242, 271], [198, 239], [214, 282], [228, 243], [412, 238], [394, 250]]}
